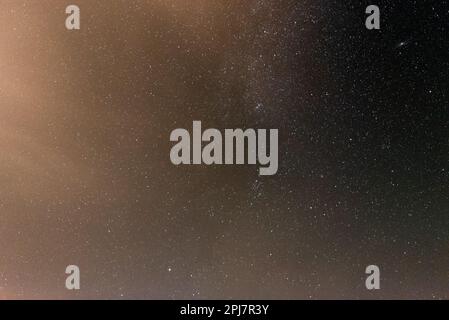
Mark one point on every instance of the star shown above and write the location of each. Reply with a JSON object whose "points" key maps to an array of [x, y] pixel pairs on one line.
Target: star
{"points": [[401, 44], [259, 106]]}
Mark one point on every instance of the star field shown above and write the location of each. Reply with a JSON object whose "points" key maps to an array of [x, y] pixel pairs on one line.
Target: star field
{"points": [[86, 179]]}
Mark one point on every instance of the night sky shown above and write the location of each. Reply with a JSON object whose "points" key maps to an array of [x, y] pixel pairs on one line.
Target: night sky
{"points": [[86, 177]]}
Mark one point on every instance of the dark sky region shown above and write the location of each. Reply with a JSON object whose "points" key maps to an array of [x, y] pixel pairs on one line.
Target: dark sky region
{"points": [[86, 178]]}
